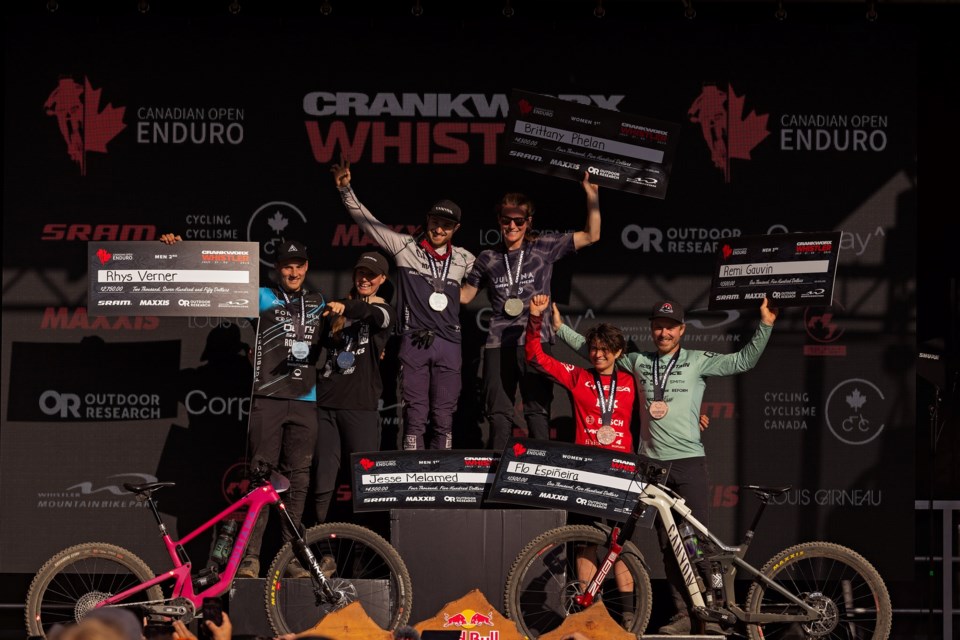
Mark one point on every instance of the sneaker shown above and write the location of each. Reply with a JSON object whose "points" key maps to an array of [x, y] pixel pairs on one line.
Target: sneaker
{"points": [[328, 566], [295, 570], [679, 625], [627, 621], [249, 568]]}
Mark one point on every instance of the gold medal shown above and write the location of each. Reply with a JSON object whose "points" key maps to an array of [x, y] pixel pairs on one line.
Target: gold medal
{"points": [[606, 434], [658, 409]]}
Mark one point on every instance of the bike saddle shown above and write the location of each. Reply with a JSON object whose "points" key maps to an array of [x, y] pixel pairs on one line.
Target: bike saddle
{"points": [[146, 489], [765, 493]]}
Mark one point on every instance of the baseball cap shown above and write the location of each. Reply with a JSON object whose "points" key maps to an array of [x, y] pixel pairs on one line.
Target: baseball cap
{"points": [[667, 309], [373, 261], [292, 250], [446, 209]]}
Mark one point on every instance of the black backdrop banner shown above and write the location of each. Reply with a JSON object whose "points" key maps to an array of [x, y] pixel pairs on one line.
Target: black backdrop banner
{"points": [[120, 129]]}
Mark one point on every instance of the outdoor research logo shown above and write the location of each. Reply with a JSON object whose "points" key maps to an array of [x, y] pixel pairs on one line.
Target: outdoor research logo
{"points": [[84, 127], [728, 133]]}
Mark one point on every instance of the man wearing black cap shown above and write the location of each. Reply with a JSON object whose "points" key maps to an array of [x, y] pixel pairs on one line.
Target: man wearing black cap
{"points": [[430, 273], [349, 385], [283, 414], [674, 380]]}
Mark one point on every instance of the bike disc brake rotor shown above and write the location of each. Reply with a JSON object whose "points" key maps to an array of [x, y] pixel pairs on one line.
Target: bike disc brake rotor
{"points": [[570, 591], [829, 619], [346, 593]]}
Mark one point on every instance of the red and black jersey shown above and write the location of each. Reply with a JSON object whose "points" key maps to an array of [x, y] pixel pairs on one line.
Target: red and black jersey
{"points": [[586, 401]]}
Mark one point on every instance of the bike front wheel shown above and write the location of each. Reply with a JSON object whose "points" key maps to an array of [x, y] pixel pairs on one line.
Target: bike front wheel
{"points": [[74, 581], [840, 583], [558, 565], [359, 564]]}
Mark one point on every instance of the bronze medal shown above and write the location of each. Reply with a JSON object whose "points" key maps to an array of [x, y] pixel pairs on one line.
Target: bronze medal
{"points": [[606, 434], [658, 409]]}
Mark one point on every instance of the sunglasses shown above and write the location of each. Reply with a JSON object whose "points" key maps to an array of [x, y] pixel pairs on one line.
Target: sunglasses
{"points": [[506, 221]]}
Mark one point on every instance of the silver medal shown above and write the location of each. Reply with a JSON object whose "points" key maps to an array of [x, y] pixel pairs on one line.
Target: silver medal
{"points": [[345, 359], [300, 350], [438, 301], [513, 307]]}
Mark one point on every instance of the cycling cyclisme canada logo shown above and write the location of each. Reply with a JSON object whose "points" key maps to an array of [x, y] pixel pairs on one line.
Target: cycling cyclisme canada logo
{"points": [[84, 126], [855, 411], [727, 131]]}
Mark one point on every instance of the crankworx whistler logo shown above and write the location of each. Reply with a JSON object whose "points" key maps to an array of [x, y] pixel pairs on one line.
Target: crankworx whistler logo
{"points": [[85, 127], [727, 131]]}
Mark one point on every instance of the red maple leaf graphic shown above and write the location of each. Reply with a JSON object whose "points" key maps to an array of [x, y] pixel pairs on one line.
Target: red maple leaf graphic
{"points": [[726, 251], [743, 134], [366, 463], [726, 131], [525, 107], [519, 449], [100, 127], [104, 255]]}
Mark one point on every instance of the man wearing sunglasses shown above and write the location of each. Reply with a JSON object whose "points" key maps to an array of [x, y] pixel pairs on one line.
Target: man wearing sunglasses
{"points": [[511, 274]]}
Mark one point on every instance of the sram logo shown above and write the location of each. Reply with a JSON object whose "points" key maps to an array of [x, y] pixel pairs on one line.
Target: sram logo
{"points": [[98, 232]]}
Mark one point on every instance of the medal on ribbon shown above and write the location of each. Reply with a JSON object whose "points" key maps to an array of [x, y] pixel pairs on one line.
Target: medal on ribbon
{"points": [[659, 408], [300, 348], [513, 307], [438, 299], [606, 434]]}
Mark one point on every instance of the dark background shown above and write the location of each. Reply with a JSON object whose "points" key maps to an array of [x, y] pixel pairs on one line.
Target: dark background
{"points": [[266, 57]]}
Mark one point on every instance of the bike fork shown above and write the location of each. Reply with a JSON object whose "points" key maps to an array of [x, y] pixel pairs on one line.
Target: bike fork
{"points": [[302, 552], [587, 599]]}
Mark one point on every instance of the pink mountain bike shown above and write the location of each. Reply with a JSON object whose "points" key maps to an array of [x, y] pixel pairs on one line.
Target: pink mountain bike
{"points": [[358, 565]]}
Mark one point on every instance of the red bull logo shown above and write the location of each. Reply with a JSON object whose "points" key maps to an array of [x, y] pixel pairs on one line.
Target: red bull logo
{"points": [[468, 619]]}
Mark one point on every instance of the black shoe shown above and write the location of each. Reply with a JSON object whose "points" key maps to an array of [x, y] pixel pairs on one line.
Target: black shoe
{"points": [[679, 625], [249, 568]]}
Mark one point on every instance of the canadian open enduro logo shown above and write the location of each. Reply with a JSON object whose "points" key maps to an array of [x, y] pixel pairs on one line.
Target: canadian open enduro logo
{"points": [[83, 125], [727, 131]]}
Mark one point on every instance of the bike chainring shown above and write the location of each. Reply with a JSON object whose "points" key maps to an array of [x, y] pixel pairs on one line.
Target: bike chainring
{"points": [[829, 615]]}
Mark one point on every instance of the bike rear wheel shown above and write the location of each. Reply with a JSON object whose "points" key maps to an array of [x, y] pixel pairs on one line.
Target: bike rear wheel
{"points": [[71, 583], [544, 580], [839, 582], [364, 566]]}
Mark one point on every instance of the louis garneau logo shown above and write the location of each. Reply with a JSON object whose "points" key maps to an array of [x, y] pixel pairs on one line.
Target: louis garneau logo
{"points": [[83, 125], [727, 131]]}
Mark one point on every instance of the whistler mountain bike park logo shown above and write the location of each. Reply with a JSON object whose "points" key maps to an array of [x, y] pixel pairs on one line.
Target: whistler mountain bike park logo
{"points": [[85, 127], [727, 131]]}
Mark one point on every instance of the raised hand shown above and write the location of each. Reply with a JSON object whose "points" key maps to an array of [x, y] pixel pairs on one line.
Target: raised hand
{"points": [[592, 190], [170, 238], [341, 172], [555, 318], [538, 303], [768, 314]]}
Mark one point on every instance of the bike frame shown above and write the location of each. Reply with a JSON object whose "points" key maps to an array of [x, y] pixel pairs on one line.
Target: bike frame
{"points": [[666, 502], [256, 500]]}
